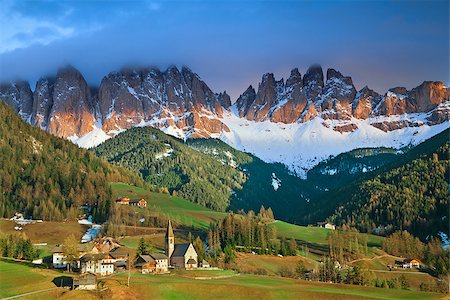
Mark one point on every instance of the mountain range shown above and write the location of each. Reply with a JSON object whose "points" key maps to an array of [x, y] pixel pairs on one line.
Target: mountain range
{"points": [[298, 122]]}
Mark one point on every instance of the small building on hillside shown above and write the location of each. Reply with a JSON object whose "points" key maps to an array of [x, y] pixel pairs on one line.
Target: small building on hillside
{"points": [[123, 200], [152, 263], [180, 255], [326, 225], [139, 203], [412, 263], [100, 264], [87, 281]]}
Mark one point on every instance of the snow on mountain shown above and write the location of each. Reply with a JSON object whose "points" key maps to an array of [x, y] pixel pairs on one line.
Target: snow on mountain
{"points": [[301, 146]]}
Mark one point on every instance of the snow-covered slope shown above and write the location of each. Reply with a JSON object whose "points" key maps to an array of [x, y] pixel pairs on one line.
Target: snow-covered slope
{"points": [[301, 146]]}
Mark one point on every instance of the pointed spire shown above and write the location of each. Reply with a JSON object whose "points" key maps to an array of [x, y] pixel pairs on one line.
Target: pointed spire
{"points": [[169, 232]]}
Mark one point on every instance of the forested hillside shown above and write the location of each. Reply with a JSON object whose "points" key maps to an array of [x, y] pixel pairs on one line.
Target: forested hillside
{"points": [[47, 177], [413, 197], [169, 164]]}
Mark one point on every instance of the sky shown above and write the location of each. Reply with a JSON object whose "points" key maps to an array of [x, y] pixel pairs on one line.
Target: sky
{"points": [[229, 44]]}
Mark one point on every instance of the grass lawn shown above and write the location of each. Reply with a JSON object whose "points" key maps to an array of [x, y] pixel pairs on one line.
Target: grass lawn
{"points": [[188, 213], [315, 235], [52, 233], [250, 287], [250, 263], [18, 278]]}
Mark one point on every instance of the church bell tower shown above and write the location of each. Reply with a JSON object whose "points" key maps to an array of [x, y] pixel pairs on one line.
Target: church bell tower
{"points": [[170, 241]]}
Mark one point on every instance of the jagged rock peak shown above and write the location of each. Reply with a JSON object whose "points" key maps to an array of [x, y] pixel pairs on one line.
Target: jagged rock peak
{"points": [[294, 79], [313, 74]]}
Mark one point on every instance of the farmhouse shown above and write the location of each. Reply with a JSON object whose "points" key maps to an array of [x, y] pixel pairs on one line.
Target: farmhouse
{"points": [[59, 260], [140, 203], [326, 225], [123, 200], [87, 281], [180, 255], [410, 263], [100, 264], [152, 263]]}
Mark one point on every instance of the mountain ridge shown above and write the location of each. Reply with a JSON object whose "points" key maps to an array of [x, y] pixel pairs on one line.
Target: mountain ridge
{"points": [[181, 104]]}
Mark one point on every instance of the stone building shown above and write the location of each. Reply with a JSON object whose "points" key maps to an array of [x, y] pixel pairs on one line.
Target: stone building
{"points": [[180, 255]]}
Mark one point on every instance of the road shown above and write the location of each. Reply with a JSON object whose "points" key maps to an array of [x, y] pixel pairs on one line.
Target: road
{"points": [[29, 293]]}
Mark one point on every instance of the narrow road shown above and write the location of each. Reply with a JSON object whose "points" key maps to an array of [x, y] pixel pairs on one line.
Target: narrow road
{"points": [[29, 293], [400, 272], [375, 257]]}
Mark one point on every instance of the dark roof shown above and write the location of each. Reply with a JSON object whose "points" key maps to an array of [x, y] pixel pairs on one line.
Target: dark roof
{"points": [[143, 259], [94, 257], [191, 261], [158, 256], [180, 249]]}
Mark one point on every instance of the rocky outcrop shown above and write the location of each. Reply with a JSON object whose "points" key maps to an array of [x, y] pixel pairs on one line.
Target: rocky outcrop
{"points": [[179, 101], [19, 96], [72, 112], [300, 100]]}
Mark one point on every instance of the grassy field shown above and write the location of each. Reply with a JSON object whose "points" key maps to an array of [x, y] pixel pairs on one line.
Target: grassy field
{"points": [[251, 287], [52, 233], [188, 213], [271, 265], [18, 278]]}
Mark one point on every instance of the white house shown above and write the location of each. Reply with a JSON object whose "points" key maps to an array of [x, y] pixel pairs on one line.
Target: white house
{"points": [[100, 264]]}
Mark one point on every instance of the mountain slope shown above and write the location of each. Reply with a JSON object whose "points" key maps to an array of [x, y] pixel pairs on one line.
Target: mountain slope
{"points": [[50, 178], [351, 200], [298, 122], [412, 197], [167, 162]]}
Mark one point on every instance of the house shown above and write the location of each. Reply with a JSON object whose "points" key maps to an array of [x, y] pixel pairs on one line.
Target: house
{"points": [[326, 225], [121, 258], [180, 255], [146, 264], [410, 263], [59, 260], [123, 200], [87, 281], [140, 203], [101, 264], [152, 263]]}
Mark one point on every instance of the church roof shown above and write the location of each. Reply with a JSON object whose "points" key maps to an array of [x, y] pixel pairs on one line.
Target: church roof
{"points": [[169, 232], [180, 249]]}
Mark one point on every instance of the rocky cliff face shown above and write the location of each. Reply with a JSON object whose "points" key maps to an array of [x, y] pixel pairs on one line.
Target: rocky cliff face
{"points": [[182, 104], [337, 99]]}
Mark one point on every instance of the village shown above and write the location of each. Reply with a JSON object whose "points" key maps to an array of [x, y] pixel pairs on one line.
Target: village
{"points": [[96, 259]]}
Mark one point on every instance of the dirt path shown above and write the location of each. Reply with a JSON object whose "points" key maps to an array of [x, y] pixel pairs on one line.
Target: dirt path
{"points": [[29, 293], [215, 277], [375, 257]]}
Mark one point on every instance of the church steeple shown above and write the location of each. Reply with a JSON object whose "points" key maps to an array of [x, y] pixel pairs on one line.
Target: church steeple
{"points": [[170, 240]]}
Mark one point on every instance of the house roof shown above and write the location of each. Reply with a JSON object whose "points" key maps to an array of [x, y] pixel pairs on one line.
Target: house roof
{"points": [[180, 249], [191, 261], [158, 256], [95, 257], [143, 259]]}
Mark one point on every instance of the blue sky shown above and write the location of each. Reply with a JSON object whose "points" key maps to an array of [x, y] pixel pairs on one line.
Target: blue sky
{"points": [[230, 44]]}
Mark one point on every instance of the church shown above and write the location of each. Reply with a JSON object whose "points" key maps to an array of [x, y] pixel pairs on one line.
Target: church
{"points": [[180, 255]]}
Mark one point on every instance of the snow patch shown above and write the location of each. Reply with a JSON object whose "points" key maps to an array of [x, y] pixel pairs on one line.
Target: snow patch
{"points": [[276, 182]]}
